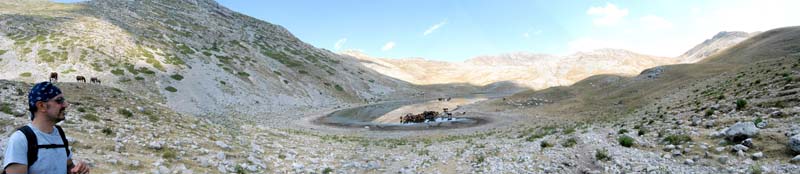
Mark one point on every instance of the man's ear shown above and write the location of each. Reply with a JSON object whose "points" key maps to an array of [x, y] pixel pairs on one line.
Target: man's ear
{"points": [[41, 105]]}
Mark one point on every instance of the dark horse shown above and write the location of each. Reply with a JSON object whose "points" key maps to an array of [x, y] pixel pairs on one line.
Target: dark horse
{"points": [[95, 80], [80, 79], [53, 77]]}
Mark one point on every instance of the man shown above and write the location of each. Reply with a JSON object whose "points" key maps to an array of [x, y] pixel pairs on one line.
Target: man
{"points": [[47, 106]]}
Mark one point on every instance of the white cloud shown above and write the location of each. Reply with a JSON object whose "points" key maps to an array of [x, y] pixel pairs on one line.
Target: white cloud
{"points": [[528, 34], [339, 43], [388, 46], [607, 15], [434, 28], [655, 22]]}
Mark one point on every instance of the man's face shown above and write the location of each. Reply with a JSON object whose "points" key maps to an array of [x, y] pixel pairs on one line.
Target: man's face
{"points": [[55, 108]]}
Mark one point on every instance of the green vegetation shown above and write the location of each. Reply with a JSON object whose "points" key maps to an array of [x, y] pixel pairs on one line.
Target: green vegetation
{"points": [[758, 120], [339, 88], [124, 112], [156, 64], [545, 144], [68, 71], [169, 154], [327, 170], [539, 133], [107, 131], [570, 142], [172, 59], [302, 72], [741, 104], [243, 74], [280, 57], [602, 155], [118, 72], [139, 78], [90, 117], [3, 52], [25, 74], [177, 77], [6, 108], [622, 131], [184, 49], [677, 139], [625, 141], [171, 89]]}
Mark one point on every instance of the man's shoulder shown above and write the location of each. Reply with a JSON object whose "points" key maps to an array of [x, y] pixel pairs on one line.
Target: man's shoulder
{"points": [[18, 136]]}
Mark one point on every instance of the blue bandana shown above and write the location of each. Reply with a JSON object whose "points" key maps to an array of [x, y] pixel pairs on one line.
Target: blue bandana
{"points": [[43, 91]]}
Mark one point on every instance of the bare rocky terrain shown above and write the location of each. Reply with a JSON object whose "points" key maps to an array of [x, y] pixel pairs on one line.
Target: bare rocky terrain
{"points": [[238, 95]]}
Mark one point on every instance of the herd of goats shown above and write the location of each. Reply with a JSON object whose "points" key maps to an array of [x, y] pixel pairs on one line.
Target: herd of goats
{"points": [[54, 78]]}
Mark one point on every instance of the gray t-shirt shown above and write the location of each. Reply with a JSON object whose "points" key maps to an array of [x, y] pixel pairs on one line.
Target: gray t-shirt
{"points": [[52, 160]]}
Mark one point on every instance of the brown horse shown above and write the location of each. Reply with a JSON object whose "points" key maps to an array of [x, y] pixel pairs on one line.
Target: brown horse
{"points": [[80, 79], [53, 77], [95, 80]]}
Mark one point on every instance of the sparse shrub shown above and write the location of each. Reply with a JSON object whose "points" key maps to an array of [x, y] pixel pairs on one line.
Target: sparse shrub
{"points": [[741, 104], [81, 109], [622, 131], [677, 139], [177, 77], [169, 154], [139, 78], [602, 155], [107, 131], [545, 144], [281, 156], [6, 108], [118, 72], [642, 132], [302, 72], [570, 142], [222, 82], [758, 120], [25, 74], [327, 170], [625, 141], [709, 112], [171, 89], [243, 74], [124, 112], [90, 117], [339, 88]]}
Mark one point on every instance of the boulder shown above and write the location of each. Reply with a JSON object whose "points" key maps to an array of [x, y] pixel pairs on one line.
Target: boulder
{"points": [[741, 131], [748, 142], [740, 147], [794, 143]]}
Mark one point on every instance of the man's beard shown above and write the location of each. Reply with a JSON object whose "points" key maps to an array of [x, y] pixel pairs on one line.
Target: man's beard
{"points": [[62, 115]]}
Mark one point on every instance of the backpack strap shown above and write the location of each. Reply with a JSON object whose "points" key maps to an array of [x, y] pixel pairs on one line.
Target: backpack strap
{"points": [[63, 139], [33, 144]]}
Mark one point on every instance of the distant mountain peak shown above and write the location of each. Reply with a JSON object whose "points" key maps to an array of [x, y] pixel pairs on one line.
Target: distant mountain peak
{"points": [[719, 42]]}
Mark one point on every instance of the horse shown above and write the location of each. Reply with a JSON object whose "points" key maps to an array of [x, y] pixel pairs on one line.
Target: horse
{"points": [[94, 80], [80, 79], [53, 77]]}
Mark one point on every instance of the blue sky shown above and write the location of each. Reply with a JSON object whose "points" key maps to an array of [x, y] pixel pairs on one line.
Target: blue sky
{"points": [[456, 30]]}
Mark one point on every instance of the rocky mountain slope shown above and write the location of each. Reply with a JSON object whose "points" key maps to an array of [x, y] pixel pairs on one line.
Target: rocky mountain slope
{"points": [[535, 71], [196, 57], [737, 109], [719, 42], [539, 71]]}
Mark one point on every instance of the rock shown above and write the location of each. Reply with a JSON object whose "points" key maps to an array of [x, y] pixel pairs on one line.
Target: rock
{"points": [[676, 152], [223, 145], [794, 143], [762, 124], [689, 162], [297, 166], [719, 149], [669, 147], [796, 159], [695, 121], [741, 131], [723, 159], [758, 155], [221, 155], [252, 168], [777, 114], [740, 147], [740, 153], [140, 109], [748, 142], [710, 123], [157, 145]]}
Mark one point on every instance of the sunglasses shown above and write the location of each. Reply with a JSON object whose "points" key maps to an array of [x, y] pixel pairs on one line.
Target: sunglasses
{"points": [[60, 100]]}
